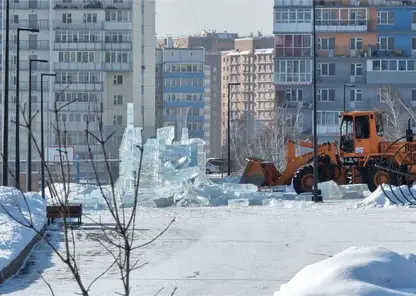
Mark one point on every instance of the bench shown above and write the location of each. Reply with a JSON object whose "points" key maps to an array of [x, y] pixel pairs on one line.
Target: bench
{"points": [[71, 210]]}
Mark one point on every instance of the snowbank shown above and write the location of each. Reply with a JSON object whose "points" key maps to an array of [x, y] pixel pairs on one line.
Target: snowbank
{"points": [[356, 271], [13, 236], [391, 196]]}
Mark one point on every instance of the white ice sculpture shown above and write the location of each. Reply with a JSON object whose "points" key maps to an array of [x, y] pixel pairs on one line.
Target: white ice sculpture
{"points": [[129, 153]]}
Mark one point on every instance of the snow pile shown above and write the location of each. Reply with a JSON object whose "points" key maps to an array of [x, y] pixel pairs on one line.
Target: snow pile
{"points": [[388, 196], [13, 236], [356, 271]]}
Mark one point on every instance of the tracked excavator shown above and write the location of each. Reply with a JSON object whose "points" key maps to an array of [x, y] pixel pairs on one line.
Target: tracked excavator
{"points": [[361, 156]]}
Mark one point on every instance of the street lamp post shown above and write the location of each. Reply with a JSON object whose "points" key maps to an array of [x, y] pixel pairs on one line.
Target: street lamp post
{"points": [[229, 124], [29, 126], [316, 195], [17, 110], [345, 87], [42, 141], [6, 96]]}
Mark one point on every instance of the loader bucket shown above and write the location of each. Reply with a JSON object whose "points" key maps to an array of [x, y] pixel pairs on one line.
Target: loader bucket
{"points": [[260, 173]]}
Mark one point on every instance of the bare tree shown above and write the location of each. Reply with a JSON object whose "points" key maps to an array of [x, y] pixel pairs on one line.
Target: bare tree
{"points": [[121, 241], [270, 142], [397, 112]]}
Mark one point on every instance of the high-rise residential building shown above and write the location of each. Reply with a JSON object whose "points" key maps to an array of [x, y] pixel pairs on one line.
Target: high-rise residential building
{"points": [[361, 46], [181, 89], [103, 54], [253, 101], [213, 42]]}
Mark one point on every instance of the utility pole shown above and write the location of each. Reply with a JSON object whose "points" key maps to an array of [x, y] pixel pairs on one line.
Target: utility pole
{"points": [[29, 130], [6, 97], [17, 110]]}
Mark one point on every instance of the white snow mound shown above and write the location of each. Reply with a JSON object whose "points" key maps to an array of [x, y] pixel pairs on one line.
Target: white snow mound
{"points": [[356, 271], [14, 237], [388, 196]]}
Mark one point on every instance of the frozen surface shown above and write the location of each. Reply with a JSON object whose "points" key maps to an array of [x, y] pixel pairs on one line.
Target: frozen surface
{"points": [[223, 251], [354, 272], [13, 236]]}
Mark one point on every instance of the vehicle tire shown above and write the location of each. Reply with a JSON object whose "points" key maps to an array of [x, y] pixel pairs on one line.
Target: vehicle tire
{"points": [[376, 177], [303, 179], [208, 171]]}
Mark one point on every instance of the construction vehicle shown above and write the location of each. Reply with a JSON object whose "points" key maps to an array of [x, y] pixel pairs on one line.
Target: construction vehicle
{"points": [[362, 156]]}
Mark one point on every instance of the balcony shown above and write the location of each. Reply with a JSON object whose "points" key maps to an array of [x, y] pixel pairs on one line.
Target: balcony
{"points": [[391, 2], [31, 45], [77, 66], [343, 52], [292, 78], [98, 86], [117, 67], [114, 25], [24, 86], [76, 4], [279, 3], [24, 65], [30, 4], [118, 46], [92, 4], [341, 25], [58, 25], [293, 52], [391, 71], [78, 46], [37, 24]]}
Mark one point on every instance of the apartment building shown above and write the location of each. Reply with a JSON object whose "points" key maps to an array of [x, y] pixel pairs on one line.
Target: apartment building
{"points": [[253, 101], [361, 46], [213, 42], [103, 54], [181, 89]]}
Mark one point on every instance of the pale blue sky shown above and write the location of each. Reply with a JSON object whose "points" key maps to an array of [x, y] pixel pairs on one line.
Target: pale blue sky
{"points": [[179, 17]]}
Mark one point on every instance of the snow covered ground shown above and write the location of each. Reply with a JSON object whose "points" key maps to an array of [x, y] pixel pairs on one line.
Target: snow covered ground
{"points": [[226, 251], [13, 237]]}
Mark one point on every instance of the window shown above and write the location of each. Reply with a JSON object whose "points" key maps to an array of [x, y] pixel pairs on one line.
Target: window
{"points": [[295, 16], [16, 18], [118, 80], [413, 17], [67, 18], [385, 17], [356, 43], [77, 57], [117, 120], [356, 69], [393, 65], [116, 57], [413, 43], [89, 18], [293, 71], [328, 118], [293, 95], [118, 100], [413, 95], [293, 45], [117, 37], [356, 95], [326, 43], [326, 69], [326, 95], [385, 43], [117, 15]]}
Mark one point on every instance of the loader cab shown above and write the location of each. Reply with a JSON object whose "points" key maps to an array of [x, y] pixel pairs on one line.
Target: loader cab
{"points": [[361, 132]]}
